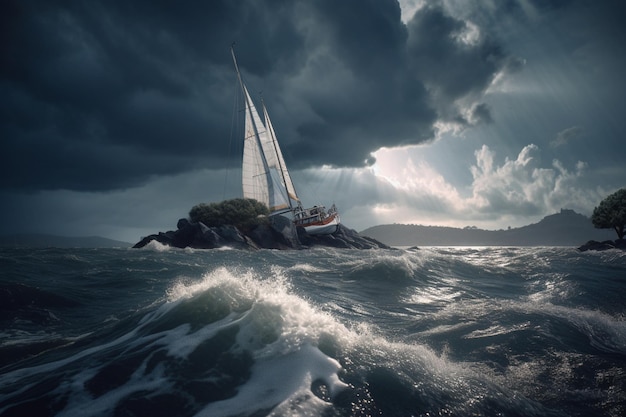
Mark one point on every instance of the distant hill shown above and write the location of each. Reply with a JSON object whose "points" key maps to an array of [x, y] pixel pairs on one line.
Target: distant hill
{"points": [[53, 241], [566, 228]]}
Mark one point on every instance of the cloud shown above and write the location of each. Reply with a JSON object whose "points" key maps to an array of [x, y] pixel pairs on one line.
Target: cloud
{"points": [[566, 136], [108, 94], [523, 187], [455, 71], [511, 187], [517, 190], [480, 114]]}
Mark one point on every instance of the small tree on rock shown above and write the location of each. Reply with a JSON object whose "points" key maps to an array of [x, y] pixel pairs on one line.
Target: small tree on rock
{"points": [[611, 213]]}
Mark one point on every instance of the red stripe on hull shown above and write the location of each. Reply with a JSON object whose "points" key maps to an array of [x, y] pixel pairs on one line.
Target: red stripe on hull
{"points": [[322, 222]]}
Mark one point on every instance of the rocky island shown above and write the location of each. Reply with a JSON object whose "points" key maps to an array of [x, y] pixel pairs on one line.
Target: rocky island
{"points": [[278, 233], [604, 245]]}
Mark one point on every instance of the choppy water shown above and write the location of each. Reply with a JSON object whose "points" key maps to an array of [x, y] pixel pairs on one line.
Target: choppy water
{"points": [[438, 331]]}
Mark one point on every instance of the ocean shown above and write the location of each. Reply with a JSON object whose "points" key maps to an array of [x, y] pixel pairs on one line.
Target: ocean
{"points": [[459, 331]]}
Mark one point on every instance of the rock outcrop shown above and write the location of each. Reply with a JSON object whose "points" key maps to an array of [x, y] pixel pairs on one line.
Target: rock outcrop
{"points": [[280, 233], [605, 245]]}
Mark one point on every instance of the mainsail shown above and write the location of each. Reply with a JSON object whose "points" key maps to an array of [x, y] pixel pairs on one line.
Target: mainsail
{"points": [[265, 177]]}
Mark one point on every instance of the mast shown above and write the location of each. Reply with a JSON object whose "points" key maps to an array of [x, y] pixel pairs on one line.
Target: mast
{"points": [[232, 52]]}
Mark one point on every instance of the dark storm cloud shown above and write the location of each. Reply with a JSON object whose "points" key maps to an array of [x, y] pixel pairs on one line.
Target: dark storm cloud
{"points": [[572, 77], [445, 64], [392, 82], [103, 95]]}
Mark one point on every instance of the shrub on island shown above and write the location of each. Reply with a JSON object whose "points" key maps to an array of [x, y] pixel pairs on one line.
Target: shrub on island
{"points": [[243, 213]]}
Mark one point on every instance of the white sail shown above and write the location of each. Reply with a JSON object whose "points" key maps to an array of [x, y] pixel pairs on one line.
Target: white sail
{"points": [[275, 158], [262, 173]]}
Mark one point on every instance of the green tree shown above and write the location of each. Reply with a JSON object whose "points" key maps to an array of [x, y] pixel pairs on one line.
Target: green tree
{"points": [[611, 213], [242, 213]]}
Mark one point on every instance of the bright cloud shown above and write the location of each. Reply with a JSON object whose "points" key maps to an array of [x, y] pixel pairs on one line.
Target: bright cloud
{"points": [[520, 188], [511, 186], [409, 7]]}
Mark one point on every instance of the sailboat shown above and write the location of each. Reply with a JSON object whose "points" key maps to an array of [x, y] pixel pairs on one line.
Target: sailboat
{"points": [[265, 177]]}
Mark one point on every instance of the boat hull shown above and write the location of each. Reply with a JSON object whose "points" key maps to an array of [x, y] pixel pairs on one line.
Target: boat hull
{"points": [[324, 227]]}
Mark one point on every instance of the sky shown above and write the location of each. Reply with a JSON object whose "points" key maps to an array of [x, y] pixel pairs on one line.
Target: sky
{"points": [[117, 117]]}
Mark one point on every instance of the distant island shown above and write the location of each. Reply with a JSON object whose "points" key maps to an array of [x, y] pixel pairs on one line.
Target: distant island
{"points": [[38, 240], [566, 228]]}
